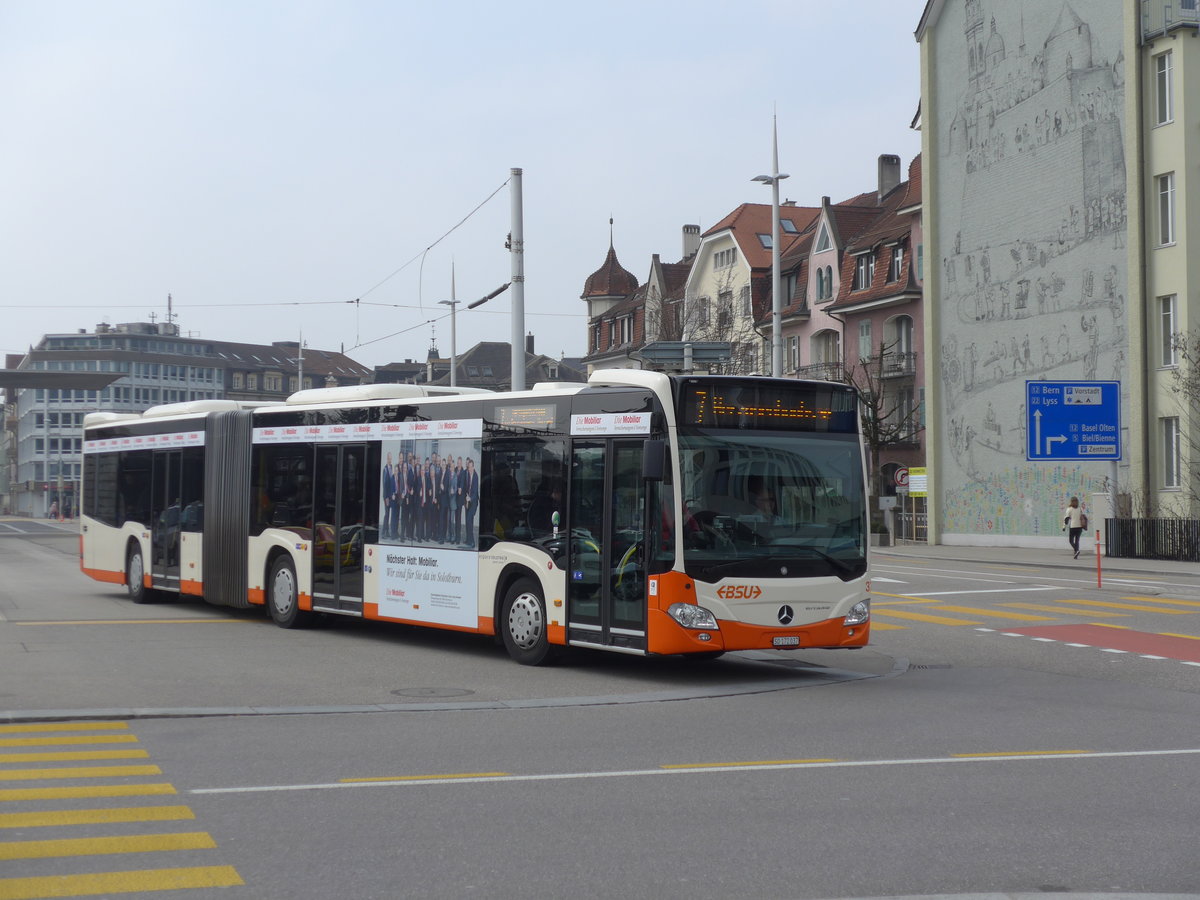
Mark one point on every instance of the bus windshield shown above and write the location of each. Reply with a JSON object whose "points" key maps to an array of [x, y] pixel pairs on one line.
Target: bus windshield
{"points": [[763, 504]]}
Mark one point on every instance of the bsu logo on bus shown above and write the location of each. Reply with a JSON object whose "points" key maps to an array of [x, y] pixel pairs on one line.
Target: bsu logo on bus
{"points": [[739, 592]]}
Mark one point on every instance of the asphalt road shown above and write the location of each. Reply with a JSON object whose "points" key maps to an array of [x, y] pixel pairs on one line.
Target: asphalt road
{"points": [[968, 750]]}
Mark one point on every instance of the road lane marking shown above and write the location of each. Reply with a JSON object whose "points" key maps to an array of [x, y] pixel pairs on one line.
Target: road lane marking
{"points": [[134, 622], [89, 791], [1165, 600], [119, 882], [54, 818], [62, 740], [64, 726], [989, 591], [1020, 617], [76, 755], [1064, 609], [886, 626], [1017, 753], [761, 762], [77, 772], [921, 617], [908, 602], [422, 777], [1188, 637], [97, 846], [660, 771], [1106, 604]]}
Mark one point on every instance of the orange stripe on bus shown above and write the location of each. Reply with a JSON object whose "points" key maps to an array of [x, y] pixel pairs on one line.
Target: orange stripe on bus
{"points": [[104, 575], [191, 587], [256, 596]]}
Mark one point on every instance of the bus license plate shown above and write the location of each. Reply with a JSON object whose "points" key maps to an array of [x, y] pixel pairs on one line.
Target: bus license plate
{"points": [[787, 640]]}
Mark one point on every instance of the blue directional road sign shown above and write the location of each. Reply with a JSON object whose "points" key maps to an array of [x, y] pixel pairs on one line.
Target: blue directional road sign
{"points": [[1076, 420]]}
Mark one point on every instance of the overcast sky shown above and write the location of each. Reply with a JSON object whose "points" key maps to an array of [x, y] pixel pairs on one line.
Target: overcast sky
{"points": [[268, 163]]}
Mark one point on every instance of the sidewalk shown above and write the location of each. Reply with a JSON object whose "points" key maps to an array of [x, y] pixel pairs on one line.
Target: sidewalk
{"points": [[1041, 558]]}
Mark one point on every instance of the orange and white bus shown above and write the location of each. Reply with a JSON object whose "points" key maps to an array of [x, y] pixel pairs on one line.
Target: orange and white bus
{"points": [[639, 513]]}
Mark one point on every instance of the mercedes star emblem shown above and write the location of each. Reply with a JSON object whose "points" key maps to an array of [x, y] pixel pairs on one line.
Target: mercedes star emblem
{"points": [[786, 615]]}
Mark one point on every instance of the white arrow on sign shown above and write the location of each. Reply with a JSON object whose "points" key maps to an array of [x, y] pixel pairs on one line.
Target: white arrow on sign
{"points": [[1051, 441], [1037, 430]]}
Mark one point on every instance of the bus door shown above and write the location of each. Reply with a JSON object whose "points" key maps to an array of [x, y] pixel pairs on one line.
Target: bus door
{"points": [[165, 510], [606, 577], [339, 503]]}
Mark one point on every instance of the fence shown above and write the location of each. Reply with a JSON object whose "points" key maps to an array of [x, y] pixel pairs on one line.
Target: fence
{"points": [[1177, 539]]}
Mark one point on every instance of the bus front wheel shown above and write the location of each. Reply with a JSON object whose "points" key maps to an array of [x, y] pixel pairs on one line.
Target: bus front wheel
{"points": [[135, 576], [523, 624], [283, 595]]}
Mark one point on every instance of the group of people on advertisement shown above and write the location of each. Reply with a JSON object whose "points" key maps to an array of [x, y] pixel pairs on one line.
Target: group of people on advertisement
{"points": [[434, 502]]}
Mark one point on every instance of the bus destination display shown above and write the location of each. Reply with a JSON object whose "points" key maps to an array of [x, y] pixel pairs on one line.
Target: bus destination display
{"points": [[542, 416], [768, 407]]}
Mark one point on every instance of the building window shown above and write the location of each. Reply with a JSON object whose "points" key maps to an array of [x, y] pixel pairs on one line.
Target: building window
{"points": [[626, 325], [1171, 464], [823, 242], [723, 259], [864, 339], [1166, 315], [252, 382], [895, 263], [1166, 209], [745, 294], [1162, 82], [864, 271], [238, 381], [793, 353], [702, 312], [920, 262], [903, 326], [596, 335]]}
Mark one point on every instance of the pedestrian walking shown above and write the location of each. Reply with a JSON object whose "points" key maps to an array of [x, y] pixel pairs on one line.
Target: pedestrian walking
{"points": [[1074, 521]]}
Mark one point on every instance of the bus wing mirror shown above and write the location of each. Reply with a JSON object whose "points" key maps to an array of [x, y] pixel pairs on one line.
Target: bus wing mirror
{"points": [[654, 460]]}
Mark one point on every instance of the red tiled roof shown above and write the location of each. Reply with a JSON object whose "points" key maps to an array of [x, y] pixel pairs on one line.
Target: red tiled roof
{"points": [[752, 219], [610, 280]]}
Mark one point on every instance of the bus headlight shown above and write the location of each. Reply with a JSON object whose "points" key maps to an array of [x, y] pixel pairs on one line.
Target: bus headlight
{"points": [[689, 615], [859, 613]]}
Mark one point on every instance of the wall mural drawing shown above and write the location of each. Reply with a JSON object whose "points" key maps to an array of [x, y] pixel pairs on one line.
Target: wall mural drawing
{"points": [[1031, 173]]}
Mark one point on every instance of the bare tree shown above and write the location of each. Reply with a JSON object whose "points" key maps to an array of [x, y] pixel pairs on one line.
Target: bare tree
{"points": [[890, 416], [1185, 385]]}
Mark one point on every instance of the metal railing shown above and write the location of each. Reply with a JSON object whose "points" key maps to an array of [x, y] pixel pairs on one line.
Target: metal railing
{"points": [[822, 372], [897, 364], [1174, 539], [1159, 17]]}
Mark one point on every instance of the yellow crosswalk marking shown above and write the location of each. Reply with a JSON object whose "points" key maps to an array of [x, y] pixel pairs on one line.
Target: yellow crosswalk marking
{"points": [[62, 740], [119, 882], [922, 617], [131, 843], [52, 818], [17, 795], [1105, 604], [1065, 609], [876, 625], [1194, 603], [65, 755], [972, 611], [63, 726], [1190, 637], [77, 772]]}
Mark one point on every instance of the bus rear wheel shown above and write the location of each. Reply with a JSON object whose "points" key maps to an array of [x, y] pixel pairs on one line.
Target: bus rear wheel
{"points": [[135, 576], [523, 624], [283, 595]]}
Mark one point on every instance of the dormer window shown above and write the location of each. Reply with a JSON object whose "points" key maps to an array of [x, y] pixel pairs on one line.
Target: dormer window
{"points": [[896, 263], [864, 271], [723, 259]]}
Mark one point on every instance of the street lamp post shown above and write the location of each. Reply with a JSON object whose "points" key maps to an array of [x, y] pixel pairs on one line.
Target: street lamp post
{"points": [[776, 277], [453, 340]]}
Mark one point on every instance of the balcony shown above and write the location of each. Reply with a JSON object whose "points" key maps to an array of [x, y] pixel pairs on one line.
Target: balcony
{"points": [[899, 365], [822, 372], [1161, 16]]}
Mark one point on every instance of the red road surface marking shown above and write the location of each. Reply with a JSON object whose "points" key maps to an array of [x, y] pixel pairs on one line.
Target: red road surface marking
{"points": [[1118, 639]]}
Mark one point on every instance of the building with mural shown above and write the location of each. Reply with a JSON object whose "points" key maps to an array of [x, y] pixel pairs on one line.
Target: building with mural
{"points": [[1036, 231]]}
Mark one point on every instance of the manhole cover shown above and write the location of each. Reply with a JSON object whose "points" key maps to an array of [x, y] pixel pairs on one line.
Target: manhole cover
{"points": [[432, 692]]}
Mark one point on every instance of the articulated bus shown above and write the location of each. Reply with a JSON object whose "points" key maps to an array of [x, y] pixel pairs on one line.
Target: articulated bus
{"points": [[639, 513]]}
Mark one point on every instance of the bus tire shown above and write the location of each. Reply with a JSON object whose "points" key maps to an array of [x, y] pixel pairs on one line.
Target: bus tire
{"points": [[283, 595], [523, 623], [135, 575]]}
